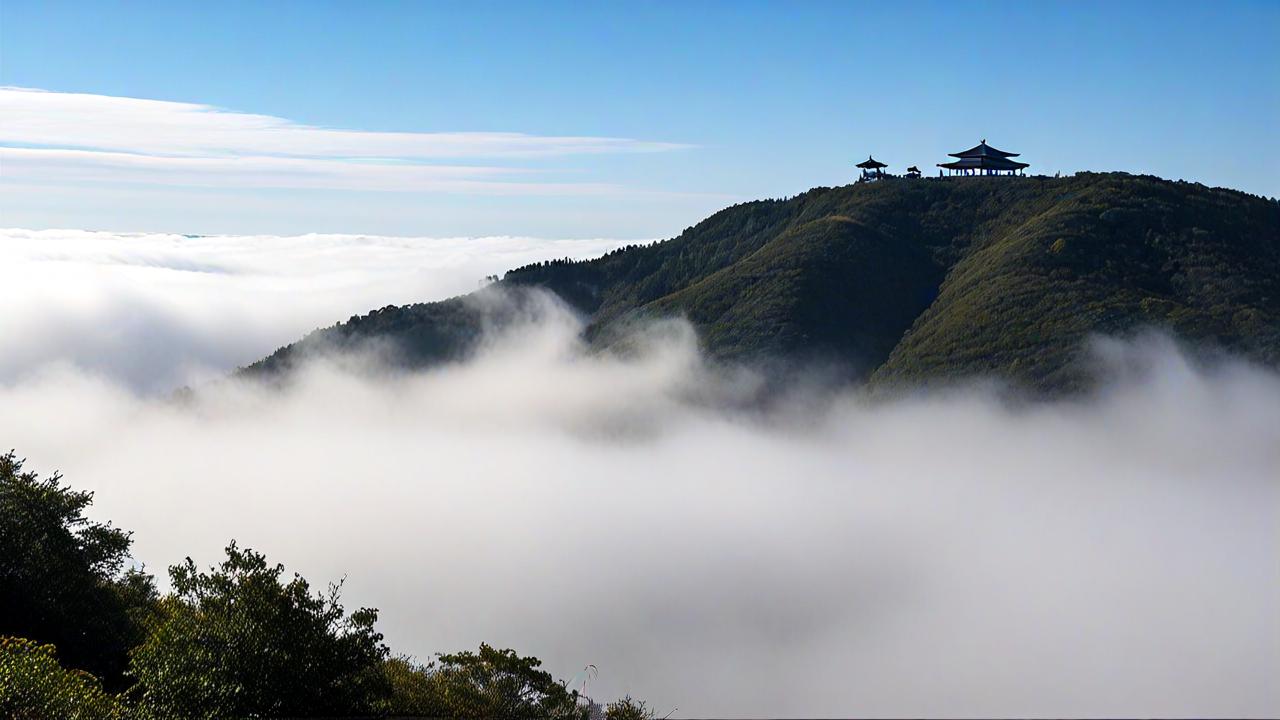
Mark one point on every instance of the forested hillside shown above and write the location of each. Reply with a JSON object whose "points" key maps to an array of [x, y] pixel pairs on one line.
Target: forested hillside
{"points": [[903, 282]]}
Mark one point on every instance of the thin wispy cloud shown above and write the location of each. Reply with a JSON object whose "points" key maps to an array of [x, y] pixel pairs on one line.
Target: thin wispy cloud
{"points": [[78, 137], [71, 166], [162, 127]]}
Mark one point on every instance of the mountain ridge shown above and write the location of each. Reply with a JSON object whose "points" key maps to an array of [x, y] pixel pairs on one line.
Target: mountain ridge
{"points": [[905, 282]]}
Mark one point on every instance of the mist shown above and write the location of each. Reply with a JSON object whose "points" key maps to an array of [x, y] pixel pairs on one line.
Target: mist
{"points": [[943, 554], [155, 311]]}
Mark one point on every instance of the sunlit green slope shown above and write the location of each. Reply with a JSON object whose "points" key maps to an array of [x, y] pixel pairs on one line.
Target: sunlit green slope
{"points": [[903, 282]]}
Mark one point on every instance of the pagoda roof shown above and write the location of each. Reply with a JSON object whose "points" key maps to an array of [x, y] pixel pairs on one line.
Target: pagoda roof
{"points": [[988, 162], [871, 163], [982, 149]]}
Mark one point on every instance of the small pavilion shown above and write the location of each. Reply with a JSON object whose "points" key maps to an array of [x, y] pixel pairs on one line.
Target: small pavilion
{"points": [[872, 169], [984, 160]]}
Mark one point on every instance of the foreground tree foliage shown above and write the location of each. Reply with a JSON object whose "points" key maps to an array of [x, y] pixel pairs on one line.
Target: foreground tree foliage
{"points": [[238, 641], [494, 683], [61, 577], [412, 691], [490, 683], [33, 686], [628, 708]]}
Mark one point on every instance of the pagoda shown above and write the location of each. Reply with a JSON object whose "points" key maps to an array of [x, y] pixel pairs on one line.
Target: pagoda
{"points": [[984, 160], [872, 169]]}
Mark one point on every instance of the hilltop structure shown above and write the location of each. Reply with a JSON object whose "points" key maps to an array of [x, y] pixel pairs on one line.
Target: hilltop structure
{"points": [[983, 160], [872, 169]]}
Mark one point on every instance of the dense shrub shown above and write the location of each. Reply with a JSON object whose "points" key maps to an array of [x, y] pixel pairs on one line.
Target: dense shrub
{"points": [[62, 580], [239, 641], [33, 686], [628, 709], [492, 683]]}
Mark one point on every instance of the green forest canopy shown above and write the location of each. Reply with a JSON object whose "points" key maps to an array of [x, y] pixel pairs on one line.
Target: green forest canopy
{"points": [[83, 637]]}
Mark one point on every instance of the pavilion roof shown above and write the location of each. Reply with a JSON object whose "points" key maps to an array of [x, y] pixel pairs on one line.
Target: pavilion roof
{"points": [[989, 162], [871, 163], [982, 149]]}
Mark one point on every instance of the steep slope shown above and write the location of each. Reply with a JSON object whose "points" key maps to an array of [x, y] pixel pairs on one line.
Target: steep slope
{"points": [[1108, 256], [828, 290], [910, 281]]}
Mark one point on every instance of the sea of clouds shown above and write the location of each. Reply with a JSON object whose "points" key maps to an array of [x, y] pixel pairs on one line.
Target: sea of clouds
{"points": [[156, 311], [826, 555]]}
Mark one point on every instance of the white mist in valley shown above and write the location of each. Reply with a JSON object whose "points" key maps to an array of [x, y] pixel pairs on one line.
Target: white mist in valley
{"points": [[947, 554], [156, 310]]}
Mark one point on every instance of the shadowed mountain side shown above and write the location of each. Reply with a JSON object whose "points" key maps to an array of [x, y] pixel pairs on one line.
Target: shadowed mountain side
{"points": [[908, 282], [410, 336], [828, 290]]}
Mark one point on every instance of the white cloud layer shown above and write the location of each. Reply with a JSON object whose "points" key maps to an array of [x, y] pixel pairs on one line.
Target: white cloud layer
{"points": [[154, 311], [945, 555], [84, 138]]}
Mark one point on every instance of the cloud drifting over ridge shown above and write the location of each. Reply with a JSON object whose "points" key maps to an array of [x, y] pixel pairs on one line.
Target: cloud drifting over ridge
{"points": [[79, 137], [942, 555], [154, 311]]}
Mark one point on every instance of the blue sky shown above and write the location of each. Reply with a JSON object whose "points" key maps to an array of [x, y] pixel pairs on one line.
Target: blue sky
{"points": [[724, 102]]}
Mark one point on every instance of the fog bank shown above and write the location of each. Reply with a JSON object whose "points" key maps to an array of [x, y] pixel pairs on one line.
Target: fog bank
{"points": [[154, 311], [939, 555]]}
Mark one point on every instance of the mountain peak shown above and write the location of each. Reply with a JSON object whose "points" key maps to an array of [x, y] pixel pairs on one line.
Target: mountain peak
{"points": [[909, 281]]}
